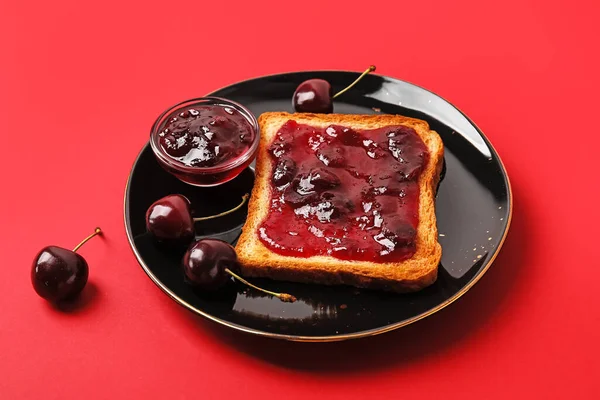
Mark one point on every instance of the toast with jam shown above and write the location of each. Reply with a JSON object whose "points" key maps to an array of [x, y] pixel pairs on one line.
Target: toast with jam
{"points": [[344, 199]]}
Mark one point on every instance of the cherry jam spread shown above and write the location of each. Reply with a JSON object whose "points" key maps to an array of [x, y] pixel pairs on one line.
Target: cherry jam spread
{"points": [[350, 194], [205, 136]]}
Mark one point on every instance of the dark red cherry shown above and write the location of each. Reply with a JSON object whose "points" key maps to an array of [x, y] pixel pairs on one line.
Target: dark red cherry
{"points": [[206, 261], [58, 273], [170, 220], [209, 265], [314, 96]]}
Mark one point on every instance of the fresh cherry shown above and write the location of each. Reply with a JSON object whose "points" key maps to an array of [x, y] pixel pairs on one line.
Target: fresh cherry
{"points": [[316, 96], [206, 262], [170, 219], [210, 263], [60, 274]]}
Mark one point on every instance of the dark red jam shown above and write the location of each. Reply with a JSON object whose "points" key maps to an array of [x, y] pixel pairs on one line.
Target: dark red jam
{"points": [[350, 194], [205, 136]]}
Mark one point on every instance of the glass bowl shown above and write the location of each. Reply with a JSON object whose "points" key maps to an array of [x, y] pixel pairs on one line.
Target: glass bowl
{"points": [[212, 175]]}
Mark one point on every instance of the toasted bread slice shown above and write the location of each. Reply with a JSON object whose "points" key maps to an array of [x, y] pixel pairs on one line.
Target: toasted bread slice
{"points": [[409, 275]]}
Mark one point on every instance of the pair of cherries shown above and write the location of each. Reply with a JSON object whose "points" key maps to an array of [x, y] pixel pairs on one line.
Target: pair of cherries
{"points": [[208, 264], [316, 95]]}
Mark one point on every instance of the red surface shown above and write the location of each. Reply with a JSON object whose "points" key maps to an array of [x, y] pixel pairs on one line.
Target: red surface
{"points": [[80, 85]]}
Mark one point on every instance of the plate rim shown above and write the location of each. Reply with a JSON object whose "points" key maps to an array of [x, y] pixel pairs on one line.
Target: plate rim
{"points": [[340, 337]]}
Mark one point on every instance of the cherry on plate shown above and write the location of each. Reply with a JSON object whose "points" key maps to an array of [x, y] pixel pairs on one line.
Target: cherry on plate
{"points": [[205, 264], [209, 265], [170, 220], [316, 96]]}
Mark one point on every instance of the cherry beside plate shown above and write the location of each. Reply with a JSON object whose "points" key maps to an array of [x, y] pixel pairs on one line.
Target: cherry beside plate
{"points": [[473, 207]]}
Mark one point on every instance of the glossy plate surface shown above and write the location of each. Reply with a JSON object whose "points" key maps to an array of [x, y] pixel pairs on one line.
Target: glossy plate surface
{"points": [[473, 208]]}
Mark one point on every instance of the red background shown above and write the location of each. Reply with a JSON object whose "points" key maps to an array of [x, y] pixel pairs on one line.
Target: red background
{"points": [[80, 85]]}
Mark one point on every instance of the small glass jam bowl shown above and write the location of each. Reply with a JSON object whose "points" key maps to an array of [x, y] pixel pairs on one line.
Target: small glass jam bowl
{"points": [[211, 175]]}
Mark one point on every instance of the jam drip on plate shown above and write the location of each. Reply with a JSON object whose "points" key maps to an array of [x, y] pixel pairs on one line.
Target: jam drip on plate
{"points": [[350, 194], [206, 136]]}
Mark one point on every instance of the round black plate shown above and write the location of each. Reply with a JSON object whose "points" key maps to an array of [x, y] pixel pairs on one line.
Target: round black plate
{"points": [[474, 205]]}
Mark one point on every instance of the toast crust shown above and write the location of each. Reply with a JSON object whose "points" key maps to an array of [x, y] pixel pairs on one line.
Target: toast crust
{"points": [[409, 275]]}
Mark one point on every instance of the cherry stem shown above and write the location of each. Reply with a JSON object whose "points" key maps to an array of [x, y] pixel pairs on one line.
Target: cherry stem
{"points": [[244, 198], [370, 69], [97, 231], [286, 298]]}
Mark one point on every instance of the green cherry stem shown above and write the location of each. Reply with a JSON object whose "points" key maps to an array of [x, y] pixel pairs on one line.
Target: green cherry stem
{"points": [[97, 231], [286, 298], [368, 70], [244, 199]]}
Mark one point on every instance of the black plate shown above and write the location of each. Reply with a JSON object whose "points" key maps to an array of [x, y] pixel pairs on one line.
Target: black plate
{"points": [[474, 205]]}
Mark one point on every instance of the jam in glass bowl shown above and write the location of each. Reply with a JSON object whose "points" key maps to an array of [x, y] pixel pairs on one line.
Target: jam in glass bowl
{"points": [[205, 141]]}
